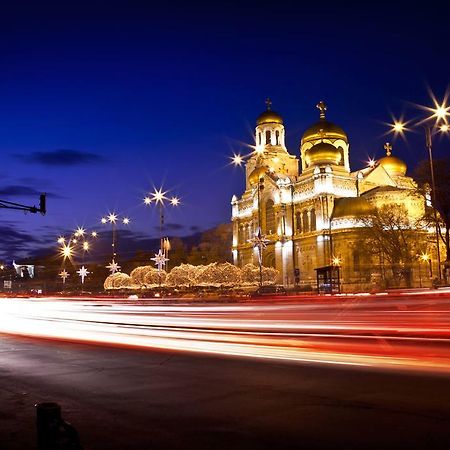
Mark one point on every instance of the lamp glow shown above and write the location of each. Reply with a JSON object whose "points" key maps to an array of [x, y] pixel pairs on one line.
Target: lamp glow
{"points": [[441, 112], [425, 257], [398, 127], [66, 251], [159, 196], [336, 261], [237, 160]]}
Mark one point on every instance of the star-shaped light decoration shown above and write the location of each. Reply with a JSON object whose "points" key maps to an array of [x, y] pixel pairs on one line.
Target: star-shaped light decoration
{"points": [[64, 274], [160, 260], [113, 267], [83, 273], [158, 196], [260, 242]]}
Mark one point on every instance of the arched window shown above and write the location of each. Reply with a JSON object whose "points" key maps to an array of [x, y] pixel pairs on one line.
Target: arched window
{"points": [[259, 138], [356, 261], [241, 234], [267, 137], [305, 222], [312, 220], [298, 222], [249, 232], [270, 218], [277, 137], [341, 151]]}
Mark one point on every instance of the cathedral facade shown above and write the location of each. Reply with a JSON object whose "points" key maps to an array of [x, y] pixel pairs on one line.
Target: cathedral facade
{"points": [[312, 210]]}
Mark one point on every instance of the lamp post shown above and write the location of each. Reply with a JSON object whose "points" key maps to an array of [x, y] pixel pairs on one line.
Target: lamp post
{"points": [[425, 257], [439, 114], [114, 219], [429, 145], [259, 240], [68, 249], [159, 199], [336, 264]]}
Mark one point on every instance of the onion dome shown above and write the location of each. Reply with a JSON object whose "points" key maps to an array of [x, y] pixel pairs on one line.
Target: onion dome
{"points": [[323, 153], [257, 174], [351, 207], [269, 116], [323, 129], [391, 164]]}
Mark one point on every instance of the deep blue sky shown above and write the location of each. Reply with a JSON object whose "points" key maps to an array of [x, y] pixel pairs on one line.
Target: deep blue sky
{"points": [[102, 100]]}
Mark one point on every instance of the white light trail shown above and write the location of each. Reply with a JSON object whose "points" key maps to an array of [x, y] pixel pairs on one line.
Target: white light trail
{"points": [[301, 333]]}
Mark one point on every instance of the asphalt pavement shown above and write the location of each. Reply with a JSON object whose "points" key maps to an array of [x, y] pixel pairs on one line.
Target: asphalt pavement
{"points": [[123, 398]]}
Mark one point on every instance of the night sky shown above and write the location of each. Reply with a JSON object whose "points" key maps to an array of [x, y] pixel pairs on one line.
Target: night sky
{"points": [[102, 101]]}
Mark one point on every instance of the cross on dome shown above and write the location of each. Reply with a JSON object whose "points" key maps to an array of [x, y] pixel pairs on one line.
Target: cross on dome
{"points": [[322, 107], [388, 148], [268, 104]]}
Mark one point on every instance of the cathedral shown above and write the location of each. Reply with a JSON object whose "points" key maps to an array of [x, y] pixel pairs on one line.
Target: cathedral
{"points": [[309, 213]]}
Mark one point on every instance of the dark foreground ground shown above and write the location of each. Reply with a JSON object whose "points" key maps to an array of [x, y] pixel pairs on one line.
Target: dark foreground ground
{"points": [[129, 399]]}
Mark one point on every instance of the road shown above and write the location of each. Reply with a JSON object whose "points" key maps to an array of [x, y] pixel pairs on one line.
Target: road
{"points": [[336, 373], [397, 332]]}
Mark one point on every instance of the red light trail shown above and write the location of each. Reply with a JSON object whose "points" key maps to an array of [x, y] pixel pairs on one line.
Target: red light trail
{"points": [[407, 333]]}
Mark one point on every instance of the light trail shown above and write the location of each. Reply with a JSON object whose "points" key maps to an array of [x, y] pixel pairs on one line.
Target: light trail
{"points": [[365, 333]]}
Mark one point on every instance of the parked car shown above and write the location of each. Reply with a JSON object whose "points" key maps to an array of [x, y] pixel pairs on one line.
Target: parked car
{"points": [[269, 290]]}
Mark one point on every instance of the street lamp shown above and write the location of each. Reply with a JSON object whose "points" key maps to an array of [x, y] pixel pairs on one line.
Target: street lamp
{"points": [[259, 240], [159, 198], [114, 219], [440, 124], [68, 247], [256, 179], [425, 257]]}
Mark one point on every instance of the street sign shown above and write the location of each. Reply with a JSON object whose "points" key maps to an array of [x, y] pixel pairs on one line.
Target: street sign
{"points": [[7, 284]]}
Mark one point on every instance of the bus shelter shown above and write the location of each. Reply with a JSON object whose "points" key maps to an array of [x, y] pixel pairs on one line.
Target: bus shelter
{"points": [[328, 280]]}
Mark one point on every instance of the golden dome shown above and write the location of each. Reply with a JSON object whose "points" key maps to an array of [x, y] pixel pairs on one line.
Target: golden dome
{"points": [[257, 173], [323, 129], [351, 207], [269, 117], [323, 153], [393, 165]]}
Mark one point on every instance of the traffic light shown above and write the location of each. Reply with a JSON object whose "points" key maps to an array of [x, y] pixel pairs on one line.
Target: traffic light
{"points": [[42, 204]]}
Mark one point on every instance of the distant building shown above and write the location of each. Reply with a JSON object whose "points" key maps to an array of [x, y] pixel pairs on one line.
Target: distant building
{"points": [[24, 270], [312, 214]]}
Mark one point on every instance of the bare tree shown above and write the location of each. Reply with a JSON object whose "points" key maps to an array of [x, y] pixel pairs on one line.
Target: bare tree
{"points": [[391, 234]]}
